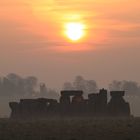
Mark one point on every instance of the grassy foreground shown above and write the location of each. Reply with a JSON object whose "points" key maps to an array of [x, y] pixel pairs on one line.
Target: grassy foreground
{"points": [[71, 129]]}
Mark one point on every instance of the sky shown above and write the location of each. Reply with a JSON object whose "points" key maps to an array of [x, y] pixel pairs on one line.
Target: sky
{"points": [[33, 42]]}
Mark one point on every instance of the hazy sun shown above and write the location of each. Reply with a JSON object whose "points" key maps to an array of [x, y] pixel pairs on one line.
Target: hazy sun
{"points": [[74, 31]]}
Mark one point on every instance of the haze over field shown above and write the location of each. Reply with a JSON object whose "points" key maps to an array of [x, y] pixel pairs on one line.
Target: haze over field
{"points": [[36, 38]]}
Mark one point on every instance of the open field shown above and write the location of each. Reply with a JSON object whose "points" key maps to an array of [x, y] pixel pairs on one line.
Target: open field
{"points": [[71, 129]]}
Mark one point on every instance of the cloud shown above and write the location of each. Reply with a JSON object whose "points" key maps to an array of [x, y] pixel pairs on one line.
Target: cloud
{"points": [[35, 25]]}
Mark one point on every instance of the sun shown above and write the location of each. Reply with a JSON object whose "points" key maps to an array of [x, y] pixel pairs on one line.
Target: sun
{"points": [[74, 31]]}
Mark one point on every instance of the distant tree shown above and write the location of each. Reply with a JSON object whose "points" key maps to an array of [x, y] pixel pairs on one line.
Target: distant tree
{"points": [[52, 94], [0, 85], [68, 86], [131, 87], [91, 86], [47, 92], [8, 87], [116, 85], [18, 84], [30, 84], [14, 85], [14, 78], [80, 83], [43, 90], [87, 86]]}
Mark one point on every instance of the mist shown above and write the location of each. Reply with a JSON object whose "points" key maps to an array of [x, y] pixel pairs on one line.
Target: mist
{"points": [[14, 87]]}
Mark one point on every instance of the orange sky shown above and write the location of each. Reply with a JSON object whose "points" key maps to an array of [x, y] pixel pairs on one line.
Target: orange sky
{"points": [[104, 20], [32, 40], [33, 30]]}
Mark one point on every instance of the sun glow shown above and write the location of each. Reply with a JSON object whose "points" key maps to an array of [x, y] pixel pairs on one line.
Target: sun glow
{"points": [[74, 31]]}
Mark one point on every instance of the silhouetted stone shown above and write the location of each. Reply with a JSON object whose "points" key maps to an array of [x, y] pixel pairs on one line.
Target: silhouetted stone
{"points": [[73, 103], [15, 109], [71, 92], [68, 106], [117, 106], [98, 102]]}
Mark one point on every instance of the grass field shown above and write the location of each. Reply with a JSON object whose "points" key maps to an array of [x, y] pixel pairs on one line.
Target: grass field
{"points": [[70, 129]]}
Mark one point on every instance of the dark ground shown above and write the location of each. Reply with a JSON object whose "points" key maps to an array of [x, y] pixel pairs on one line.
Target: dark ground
{"points": [[71, 129]]}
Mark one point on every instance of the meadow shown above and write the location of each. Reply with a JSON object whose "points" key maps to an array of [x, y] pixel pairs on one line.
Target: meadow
{"points": [[70, 129]]}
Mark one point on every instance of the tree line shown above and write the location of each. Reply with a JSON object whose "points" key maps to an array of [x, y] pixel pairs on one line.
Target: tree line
{"points": [[13, 85], [131, 88]]}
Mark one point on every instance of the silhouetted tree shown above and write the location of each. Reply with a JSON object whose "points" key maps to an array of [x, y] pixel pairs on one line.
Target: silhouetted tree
{"points": [[30, 84], [14, 85], [87, 86], [43, 90], [80, 83], [91, 86], [68, 86], [18, 84], [47, 93], [0, 85], [8, 87], [131, 87], [52, 94], [115, 85], [14, 78]]}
